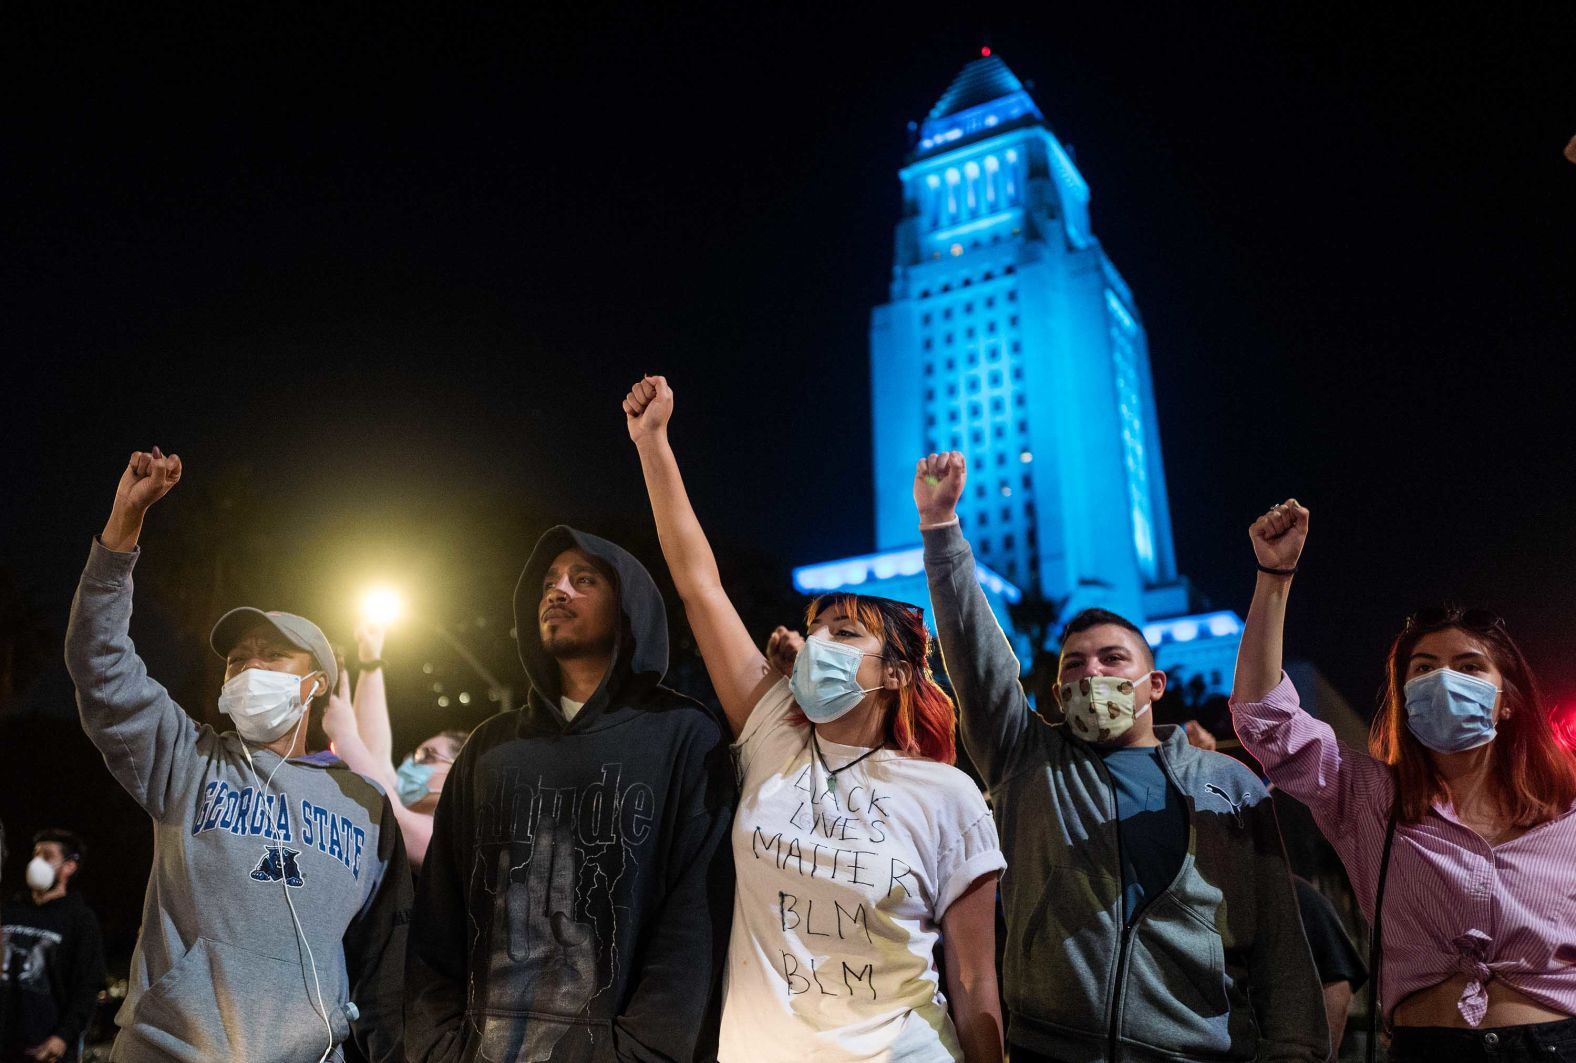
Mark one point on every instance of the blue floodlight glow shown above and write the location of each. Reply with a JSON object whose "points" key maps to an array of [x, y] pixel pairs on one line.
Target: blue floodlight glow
{"points": [[1221, 625], [852, 572]]}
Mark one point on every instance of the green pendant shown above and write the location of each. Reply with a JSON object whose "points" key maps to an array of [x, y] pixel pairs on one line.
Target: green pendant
{"points": [[831, 784]]}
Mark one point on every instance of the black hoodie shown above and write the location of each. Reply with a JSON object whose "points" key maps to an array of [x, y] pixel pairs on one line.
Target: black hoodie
{"points": [[577, 895]]}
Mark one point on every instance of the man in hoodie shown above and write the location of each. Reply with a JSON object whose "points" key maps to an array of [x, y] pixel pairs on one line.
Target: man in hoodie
{"points": [[53, 966], [274, 923], [1150, 909], [576, 897]]}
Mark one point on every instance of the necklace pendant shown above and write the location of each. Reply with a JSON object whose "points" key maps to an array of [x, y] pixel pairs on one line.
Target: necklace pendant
{"points": [[831, 784]]}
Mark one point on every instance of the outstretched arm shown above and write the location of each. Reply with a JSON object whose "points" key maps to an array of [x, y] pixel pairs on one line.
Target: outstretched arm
{"points": [[1278, 539], [1299, 753], [132, 720], [340, 724], [737, 667], [992, 708], [371, 701]]}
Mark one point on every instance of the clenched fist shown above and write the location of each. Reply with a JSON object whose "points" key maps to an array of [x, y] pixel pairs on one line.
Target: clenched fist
{"points": [[1279, 535], [647, 408], [782, 649], [938, 484], [148, 477]]}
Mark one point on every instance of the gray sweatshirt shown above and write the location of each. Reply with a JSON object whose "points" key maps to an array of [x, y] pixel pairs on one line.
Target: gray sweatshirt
{"points": [[1214, 968], [219, 971]]}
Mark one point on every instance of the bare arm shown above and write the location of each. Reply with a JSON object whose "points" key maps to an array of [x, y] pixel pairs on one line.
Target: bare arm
{"points": [[1278, 539], [968, 940], [340, 724], [736, 665], [371, 701]]}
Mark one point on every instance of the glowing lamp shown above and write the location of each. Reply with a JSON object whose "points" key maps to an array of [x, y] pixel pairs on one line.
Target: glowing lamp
{"points": [[382, 605]]}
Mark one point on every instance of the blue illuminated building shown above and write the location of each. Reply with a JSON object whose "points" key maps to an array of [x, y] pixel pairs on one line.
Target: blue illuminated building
{"points": [[1010, 336]]}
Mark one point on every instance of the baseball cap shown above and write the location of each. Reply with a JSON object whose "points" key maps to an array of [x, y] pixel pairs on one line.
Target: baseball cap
{"points": [[297, 630]]}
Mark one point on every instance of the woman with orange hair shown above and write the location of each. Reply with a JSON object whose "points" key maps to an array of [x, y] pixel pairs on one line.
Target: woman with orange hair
{"points": [[1456, 825], [858, 846]]}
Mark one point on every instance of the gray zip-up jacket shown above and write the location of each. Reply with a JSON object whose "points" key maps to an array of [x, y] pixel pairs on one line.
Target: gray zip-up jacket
{"points": [[219, 972], [1214, 968]]}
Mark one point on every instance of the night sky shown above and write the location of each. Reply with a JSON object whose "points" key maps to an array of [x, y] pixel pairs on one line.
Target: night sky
{"points": [[403, 266]]}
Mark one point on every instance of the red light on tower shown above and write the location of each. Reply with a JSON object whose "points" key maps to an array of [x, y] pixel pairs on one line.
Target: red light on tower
{"points": [[985, 52]]}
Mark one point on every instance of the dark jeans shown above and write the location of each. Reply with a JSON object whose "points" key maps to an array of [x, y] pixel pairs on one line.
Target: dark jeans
{"points": [[1540, 1042]]}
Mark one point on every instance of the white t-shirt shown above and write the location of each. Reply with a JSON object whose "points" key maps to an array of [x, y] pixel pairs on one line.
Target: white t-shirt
{"points": [[840, 896], [570, 707]]}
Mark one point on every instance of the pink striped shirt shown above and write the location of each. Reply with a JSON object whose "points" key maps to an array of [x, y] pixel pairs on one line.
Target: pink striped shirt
{"points": [[1453, 903]]}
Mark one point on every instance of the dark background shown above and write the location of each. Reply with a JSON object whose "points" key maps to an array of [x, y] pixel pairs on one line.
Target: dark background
{"points": [[381, 275]]}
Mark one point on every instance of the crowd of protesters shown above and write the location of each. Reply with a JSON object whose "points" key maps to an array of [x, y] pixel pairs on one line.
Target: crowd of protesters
{"points": [[615, 871]]}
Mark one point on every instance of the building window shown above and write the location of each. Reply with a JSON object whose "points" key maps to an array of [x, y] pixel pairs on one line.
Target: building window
{"points": [[946, 312], [978, 437], [1017, 346], [930, 368], [968, 308], [990, 326], [969, 332], [995, 377], [999, 432], [974, 411], [930, 420], [930, 394], [974, 358], [974, 385], [949, 339], [952, 363], [1012, 295], [924, 319], [996, 405], [952, 390], [990, 300], [1008, 541], [952, 415], [1001, 457], [929, 343], [984, 546], [984, 518], [1017, 372], [1012, 322]]}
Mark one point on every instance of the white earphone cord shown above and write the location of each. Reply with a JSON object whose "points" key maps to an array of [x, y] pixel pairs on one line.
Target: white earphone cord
{"points": [[265, 788]]}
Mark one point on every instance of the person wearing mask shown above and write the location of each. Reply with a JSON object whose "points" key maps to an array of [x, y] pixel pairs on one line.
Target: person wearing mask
{"points": [[362, 737], [54, 957], [273, 927], [1149, 906], [574, 903], [861, 850], [1455, 825]]}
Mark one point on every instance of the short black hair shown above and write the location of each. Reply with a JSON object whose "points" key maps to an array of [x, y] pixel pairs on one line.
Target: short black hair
{"points": [[1089, 618], [71, 846]]}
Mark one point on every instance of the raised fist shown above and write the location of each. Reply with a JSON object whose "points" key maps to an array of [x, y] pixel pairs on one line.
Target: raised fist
{"points": [[148, 478], [647, 407], [1279, 535], [782, 649], [369, 640], [938, 484]]}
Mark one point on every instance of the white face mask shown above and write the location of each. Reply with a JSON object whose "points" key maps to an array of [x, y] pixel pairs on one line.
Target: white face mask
{"points": [[40, 875], [1101, 708], [263, 704]]}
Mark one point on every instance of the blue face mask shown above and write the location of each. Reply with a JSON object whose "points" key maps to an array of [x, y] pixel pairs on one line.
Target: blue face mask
{"points": [[413, 779], [825, 680], [1448, 711]]}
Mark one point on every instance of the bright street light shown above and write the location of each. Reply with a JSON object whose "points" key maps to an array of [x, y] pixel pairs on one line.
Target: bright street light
{"points": [[382, 606]]}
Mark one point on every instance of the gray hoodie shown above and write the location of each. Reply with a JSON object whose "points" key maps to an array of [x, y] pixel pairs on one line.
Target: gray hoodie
{"points": [[1214, 968], [219, 972]]}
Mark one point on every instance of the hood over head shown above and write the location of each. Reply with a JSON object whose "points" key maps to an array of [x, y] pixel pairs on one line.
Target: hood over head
{"points": [[640, 645]]}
